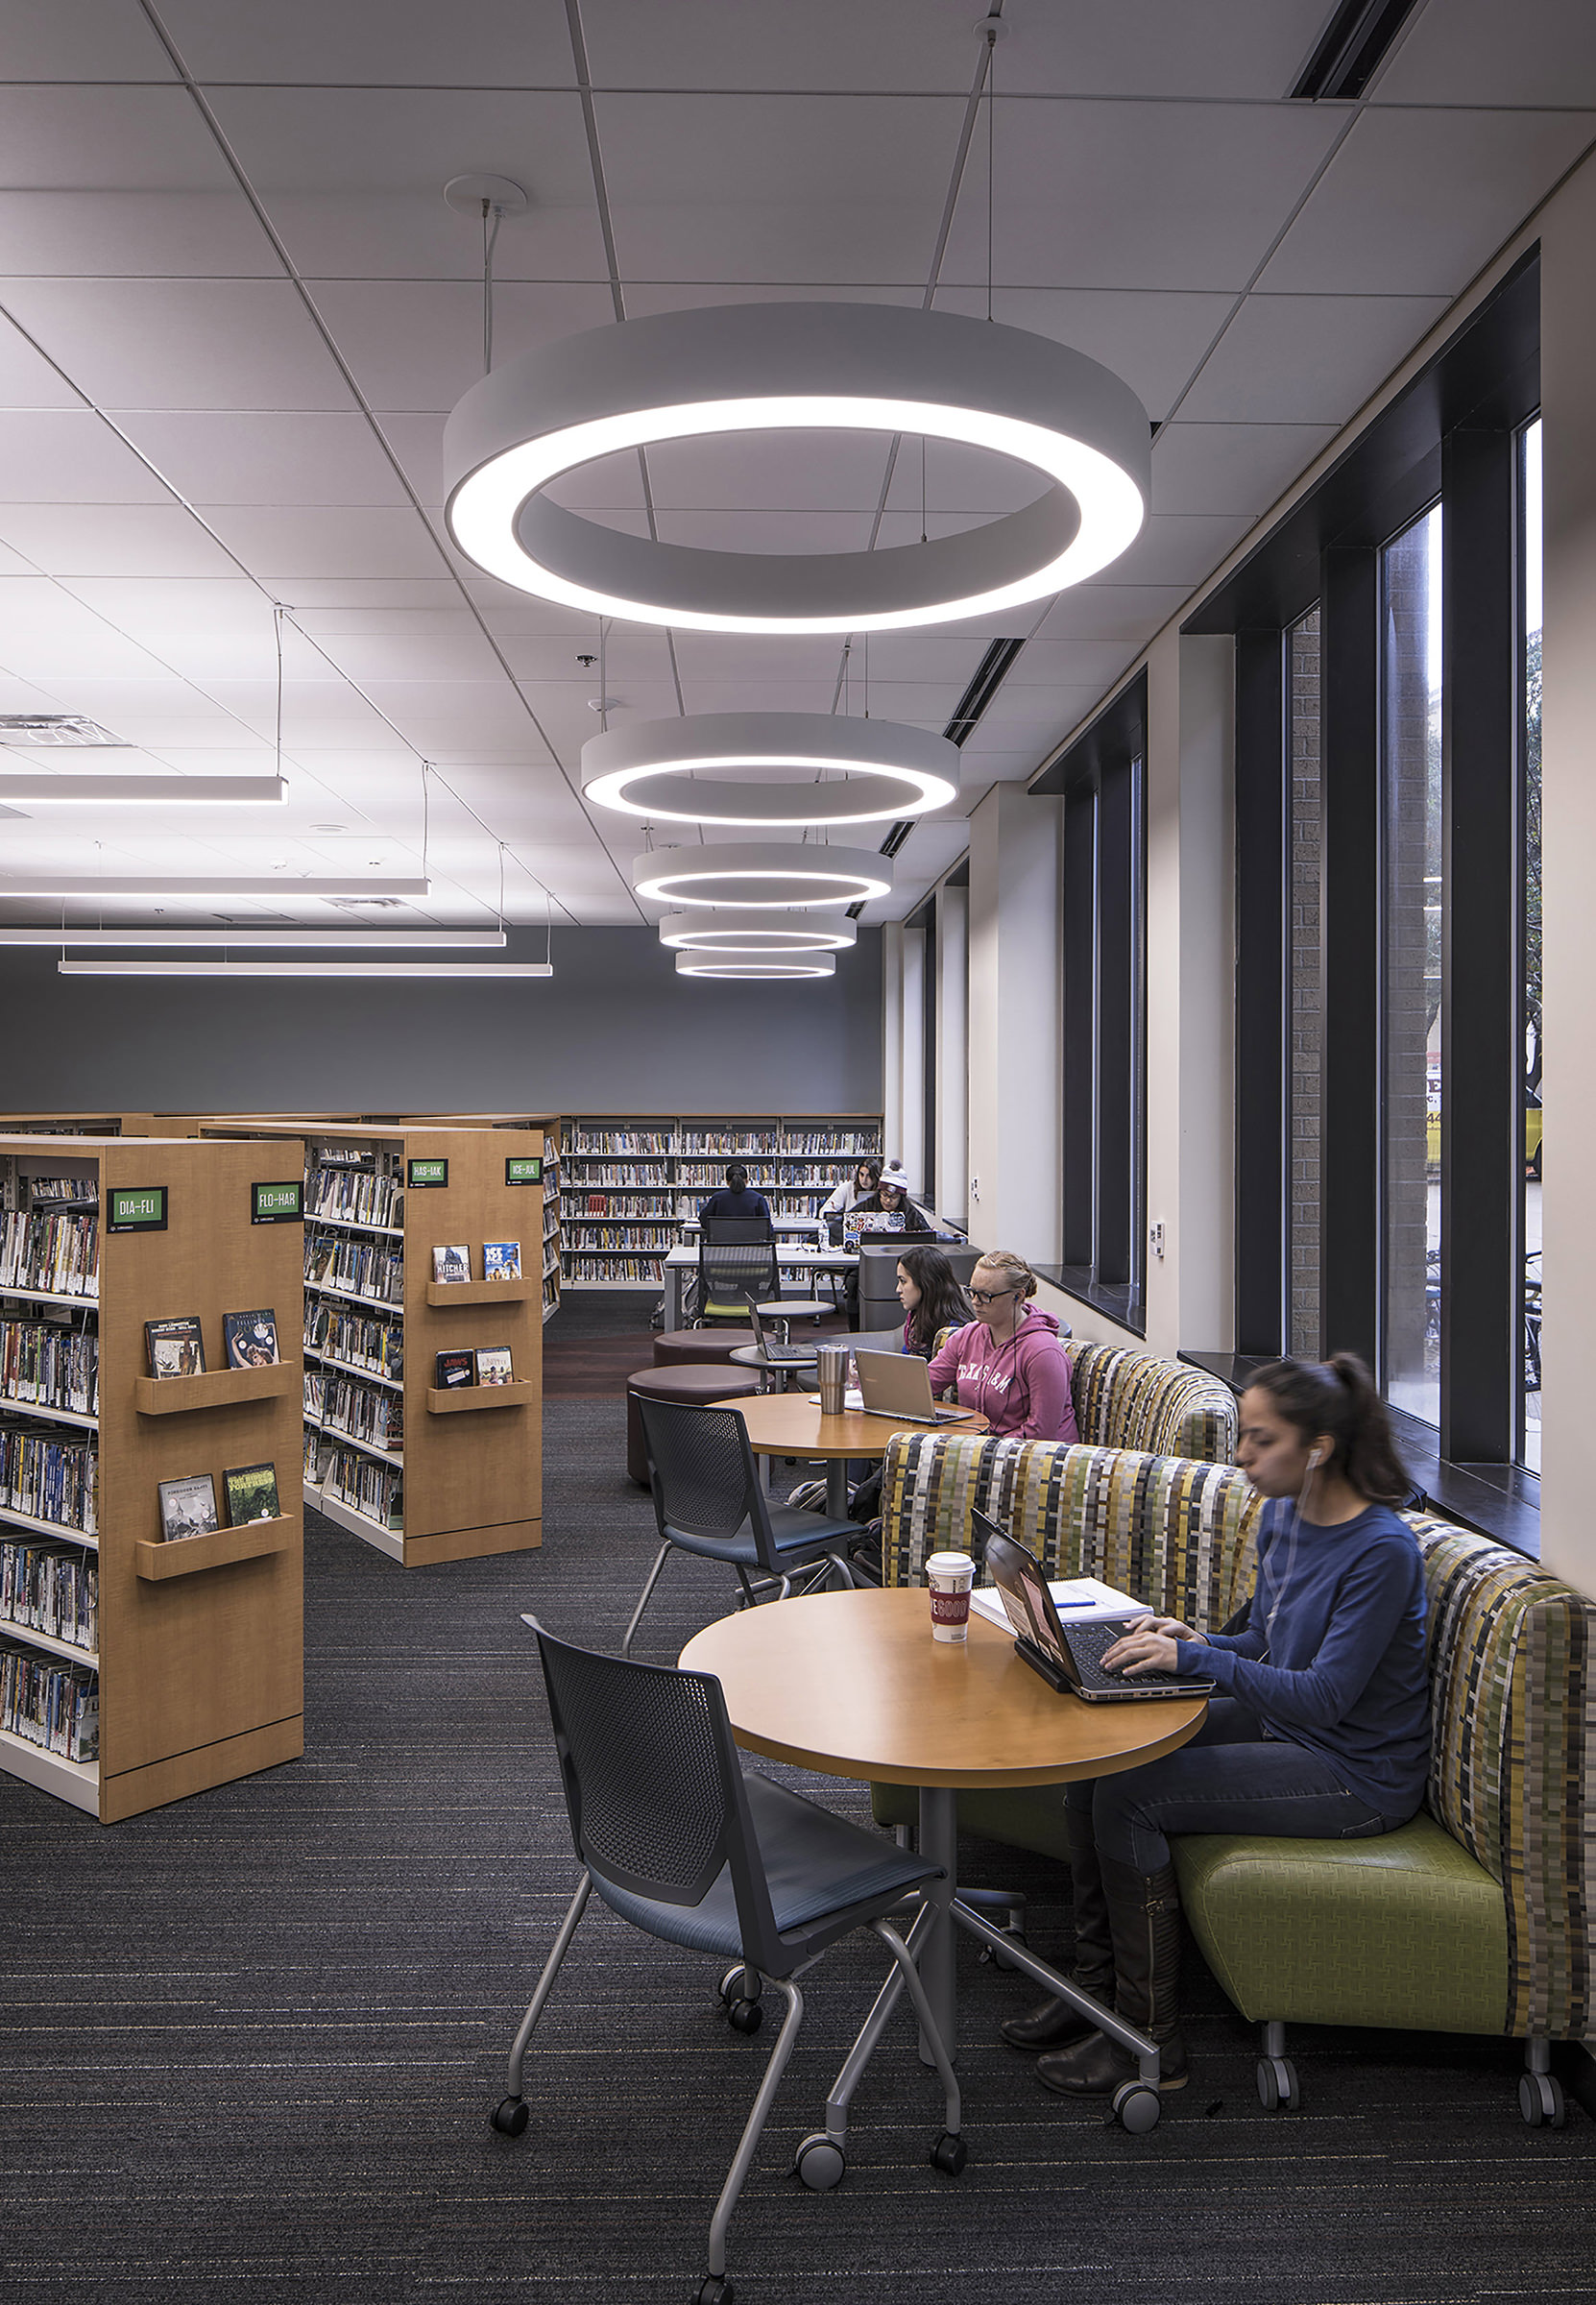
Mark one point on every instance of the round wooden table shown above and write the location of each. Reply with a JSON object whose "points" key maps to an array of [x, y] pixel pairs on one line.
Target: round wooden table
{"points": [[790, 1425], [853, 1685]]}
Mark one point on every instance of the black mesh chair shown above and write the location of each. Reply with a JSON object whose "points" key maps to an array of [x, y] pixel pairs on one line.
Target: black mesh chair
{"points": [[708, 1500], [734, 1274], [678, 1841]]}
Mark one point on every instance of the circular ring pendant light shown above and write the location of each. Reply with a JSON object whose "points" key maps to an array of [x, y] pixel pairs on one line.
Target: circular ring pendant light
{"points": [[763, 877], [757, 972], [813, 367], [649, 769], [752, 936]]}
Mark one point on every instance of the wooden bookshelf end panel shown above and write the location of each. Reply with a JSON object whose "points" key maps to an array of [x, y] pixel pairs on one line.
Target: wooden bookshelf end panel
{"points": [[517, 1396], [215, 1388], [183, 1556], [480, 1292]]}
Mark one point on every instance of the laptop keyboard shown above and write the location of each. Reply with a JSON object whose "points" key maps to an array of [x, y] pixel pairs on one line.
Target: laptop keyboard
{"points": [[1087, 1643]]}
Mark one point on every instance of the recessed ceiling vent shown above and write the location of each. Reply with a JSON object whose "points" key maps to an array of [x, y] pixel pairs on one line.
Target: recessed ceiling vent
{"points": [[1352, 47], [57, 729]]}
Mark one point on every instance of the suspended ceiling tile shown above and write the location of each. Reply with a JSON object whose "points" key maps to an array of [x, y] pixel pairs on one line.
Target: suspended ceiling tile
{"points": [[806, 471], [788, 188], [373, 592], [1307, 359], [909, 527], [181, 344], [94, 39], [1230, 467], [752, 657], [1180, 548], [1108, 611], [27, 379], [630, 652], [1065, 664], [393, 624], [729, 529], [108, 140], [1415, 202], [414, 657], [418, 344], [996, 764], [826, 44], [1247, 48], [645, 295], [1153, 338], [93, 236], [268, 459], [1477, 52], [957, 479], [113, 540], [72, 457], [495, 43], [1140, 195], [286, 544]]}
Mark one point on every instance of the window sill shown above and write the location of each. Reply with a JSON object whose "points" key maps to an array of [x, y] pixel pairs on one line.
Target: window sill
{"points": [[1498, 1501], [1119, 1301]]}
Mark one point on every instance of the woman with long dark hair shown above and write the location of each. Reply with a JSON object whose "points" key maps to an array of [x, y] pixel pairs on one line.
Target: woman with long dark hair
{"points": [[933, 1297], [1319, 1728]]}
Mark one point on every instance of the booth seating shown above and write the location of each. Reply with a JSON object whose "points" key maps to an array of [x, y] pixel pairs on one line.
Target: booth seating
{"points": [[1136, 1401], [679, 1348], [693, 1382], [1477, 1916]]}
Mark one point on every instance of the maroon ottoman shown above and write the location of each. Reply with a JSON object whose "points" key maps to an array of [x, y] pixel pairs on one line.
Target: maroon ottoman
{"points": [[698, 1383], [678, 1348]]}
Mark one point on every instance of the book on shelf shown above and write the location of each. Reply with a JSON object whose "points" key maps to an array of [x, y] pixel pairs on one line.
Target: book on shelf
{"points": [[50, 1703], [363, 1411], [53, 1252], [359, 1268], [63, 1192], [174, 1345], [492, 1365], [251, 1340], [189, 1507], [251, 1494], [452, 1260], [456, 1369], [51, 1588], [501, 1260], [44, 1365], [49, 1477]]}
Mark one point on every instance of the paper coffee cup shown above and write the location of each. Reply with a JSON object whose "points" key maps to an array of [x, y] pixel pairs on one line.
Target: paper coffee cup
{"points": [[950, 1577]]}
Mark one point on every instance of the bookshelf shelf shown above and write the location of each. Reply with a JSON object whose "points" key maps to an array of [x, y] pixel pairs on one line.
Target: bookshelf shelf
{"points": [[324, 1288], [477, 1291], [359, 1524], [368, 1376], [213, 1389], [517, 1396], [367, 1448], [380, 1232], [195, 1681], [183, 1556]]}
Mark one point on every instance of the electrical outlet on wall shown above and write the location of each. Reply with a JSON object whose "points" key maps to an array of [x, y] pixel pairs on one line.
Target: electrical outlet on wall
{"points": [[975, 1188], [1155, 1236]]}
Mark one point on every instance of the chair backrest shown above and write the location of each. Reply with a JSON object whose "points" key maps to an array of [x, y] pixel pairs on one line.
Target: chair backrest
{"points": [[734, 1274], [1137, 1400], [652, 1782], [739, 1230], [702, 1474]]}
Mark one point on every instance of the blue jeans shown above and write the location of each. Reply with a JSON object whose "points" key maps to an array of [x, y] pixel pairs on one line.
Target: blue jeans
{"points": [[1229, 1779]]}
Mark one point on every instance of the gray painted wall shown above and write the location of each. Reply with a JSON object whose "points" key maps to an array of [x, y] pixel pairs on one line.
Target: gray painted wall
{"points": [[615, 1030]]}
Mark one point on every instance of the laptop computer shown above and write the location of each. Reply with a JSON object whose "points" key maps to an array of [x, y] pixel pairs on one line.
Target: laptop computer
{"points": [[898, 1384], [1068, 1657], [777, 1354]]}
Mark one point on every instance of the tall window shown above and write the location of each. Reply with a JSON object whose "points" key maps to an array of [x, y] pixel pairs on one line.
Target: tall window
{"points": [[1304, 1079], [1413, 893], [1530, 593]]}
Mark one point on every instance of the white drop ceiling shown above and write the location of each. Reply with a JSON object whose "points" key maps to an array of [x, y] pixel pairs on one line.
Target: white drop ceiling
{"points": [[235, 311]]}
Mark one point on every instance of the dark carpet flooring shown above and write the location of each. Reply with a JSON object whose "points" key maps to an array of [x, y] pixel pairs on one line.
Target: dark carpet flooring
{"points": [[251, 2041]]}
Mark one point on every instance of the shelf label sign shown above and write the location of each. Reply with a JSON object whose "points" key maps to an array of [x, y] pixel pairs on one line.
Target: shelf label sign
{"points": [[135, 1208], [278, 1203], [524, 1168], [418, 1174]]}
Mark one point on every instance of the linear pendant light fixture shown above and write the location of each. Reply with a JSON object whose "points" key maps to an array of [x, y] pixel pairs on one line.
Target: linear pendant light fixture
{"points": [[315, 971], [763, 876], [202, 941], [37, 788], [810, 366], [180, 888], [673, 771]]}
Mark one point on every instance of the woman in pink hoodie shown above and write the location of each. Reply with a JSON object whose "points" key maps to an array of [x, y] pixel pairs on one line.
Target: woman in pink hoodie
{"points": [[1008, 1362]]}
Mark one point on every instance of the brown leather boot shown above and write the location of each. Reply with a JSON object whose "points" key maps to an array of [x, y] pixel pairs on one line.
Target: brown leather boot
{"points": [[1143, 1915], [1054, 2022]]}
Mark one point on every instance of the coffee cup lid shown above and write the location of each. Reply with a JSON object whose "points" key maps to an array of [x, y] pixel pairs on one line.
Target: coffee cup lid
{"points": [[948, 1564]]}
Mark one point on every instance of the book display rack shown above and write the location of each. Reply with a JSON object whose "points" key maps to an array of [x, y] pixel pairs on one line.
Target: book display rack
{"points": [[135, 1671], [628, 1183], [385, 1455]]}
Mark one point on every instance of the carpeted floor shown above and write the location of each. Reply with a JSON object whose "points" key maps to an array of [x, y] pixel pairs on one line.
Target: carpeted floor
{"points": [[251, 2041]]}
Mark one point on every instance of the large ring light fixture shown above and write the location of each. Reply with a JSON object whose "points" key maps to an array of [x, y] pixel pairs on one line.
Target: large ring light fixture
{"points": [[754, 935], [756, 972], [813, 366], [649, 768], [763, 877]]}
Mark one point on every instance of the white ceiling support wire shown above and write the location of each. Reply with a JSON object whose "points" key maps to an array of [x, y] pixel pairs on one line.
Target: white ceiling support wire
{"points": [[489, 240]]}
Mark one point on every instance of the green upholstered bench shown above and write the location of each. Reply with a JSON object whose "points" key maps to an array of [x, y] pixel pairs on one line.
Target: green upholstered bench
{"points": [[1477, 1916]]}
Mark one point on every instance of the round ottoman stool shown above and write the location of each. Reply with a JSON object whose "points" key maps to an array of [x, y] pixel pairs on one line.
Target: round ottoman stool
{"points": [[678, 1348], [694, 1382]]}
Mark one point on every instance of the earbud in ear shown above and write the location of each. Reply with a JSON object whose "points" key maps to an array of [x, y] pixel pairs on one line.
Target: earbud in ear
{"points": [[1313, 1459]]}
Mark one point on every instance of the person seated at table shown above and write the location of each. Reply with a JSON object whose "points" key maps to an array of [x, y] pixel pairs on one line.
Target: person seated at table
{"points": [[734, 1201], [1320, 1729], [1008, 1362], [857, 1187], [933, 1297], [888, 1208]]}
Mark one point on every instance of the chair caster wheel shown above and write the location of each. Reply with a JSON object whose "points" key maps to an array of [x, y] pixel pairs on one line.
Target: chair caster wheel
{"points": [[949, 2154], [1136, 2108], [1540, 2100], [714, 2289], [510, 2115], [820, 2162], [1277, 2085], [744, 2016]]}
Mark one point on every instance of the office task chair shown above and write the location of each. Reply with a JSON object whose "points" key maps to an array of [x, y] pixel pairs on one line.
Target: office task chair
{"points": [[678, 1841], [709, 1499], [733, 1275]]}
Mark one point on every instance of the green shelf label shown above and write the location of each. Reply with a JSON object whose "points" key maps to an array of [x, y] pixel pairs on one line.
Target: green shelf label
{"points": [[278, 1203], [524, 1168], [136, 1208], [419, 1174]]}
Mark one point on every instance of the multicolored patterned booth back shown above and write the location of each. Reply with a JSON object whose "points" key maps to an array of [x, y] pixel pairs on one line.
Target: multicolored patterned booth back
{"points": [[1135, 1401], [1178, 1533], [1514, 1721]]}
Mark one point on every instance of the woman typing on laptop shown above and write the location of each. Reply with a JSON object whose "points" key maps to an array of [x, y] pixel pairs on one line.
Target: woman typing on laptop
{"points": [[1008, 1361], [1321, 1727]]}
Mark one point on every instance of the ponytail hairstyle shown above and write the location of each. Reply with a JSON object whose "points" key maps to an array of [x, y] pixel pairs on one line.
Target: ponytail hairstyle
{"points": [[1012, 1268], [1337, 1397], [943, 1303]]}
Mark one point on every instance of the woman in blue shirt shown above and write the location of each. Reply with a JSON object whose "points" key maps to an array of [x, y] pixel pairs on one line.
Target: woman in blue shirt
{"points": [[1320, 1727]]}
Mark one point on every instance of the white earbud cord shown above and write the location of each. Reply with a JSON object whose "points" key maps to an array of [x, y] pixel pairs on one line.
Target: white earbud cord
{"points": [[1281, 1588]]}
